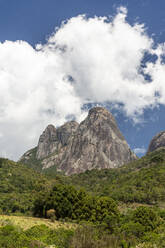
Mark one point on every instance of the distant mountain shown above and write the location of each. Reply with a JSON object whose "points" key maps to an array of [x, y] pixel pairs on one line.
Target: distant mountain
{"points": [[74, 148], [157, 142]]}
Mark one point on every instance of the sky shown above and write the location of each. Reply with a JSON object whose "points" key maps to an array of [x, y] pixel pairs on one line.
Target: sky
{"points": [[58, 58]]}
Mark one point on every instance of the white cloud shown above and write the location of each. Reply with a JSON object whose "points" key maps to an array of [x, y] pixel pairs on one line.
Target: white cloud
{"points": [[86, 60], [140, 150], [104, 58]]}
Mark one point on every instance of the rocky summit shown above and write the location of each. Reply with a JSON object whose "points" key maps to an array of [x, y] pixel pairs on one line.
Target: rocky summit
{"points": [[74, 148], [157, 142]]}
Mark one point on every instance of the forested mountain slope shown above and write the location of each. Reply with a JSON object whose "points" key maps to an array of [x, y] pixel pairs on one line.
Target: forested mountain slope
{"points": [[19, 185], [140, 181]]}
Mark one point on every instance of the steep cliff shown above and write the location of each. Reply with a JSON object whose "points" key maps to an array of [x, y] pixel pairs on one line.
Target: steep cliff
{"points": [[158, 141], [94, 143]]}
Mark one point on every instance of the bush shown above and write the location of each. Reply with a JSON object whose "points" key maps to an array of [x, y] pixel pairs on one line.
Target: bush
{"points": [[37, 237], [147, 217], [133, 229]]}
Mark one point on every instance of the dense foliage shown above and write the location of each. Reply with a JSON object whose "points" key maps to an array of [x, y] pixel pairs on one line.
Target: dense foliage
{"points": [[101, 215], [88, 198], [142, 181], [69, 203], [37, 236], [140, 228], [19, 187]]}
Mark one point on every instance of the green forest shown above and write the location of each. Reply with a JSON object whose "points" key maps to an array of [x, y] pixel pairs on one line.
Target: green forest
{"points": [[122, 207]]}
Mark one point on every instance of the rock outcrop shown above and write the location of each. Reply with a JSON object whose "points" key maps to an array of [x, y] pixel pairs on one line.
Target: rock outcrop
{"points": [[53, 139], [47, 142], [157, 142], [94, 143]]}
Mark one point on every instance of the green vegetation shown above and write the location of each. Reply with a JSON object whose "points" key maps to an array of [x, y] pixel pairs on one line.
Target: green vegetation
{"points": [[142, 181], [37, 236], [36, 164], [19, 187], [142, 227], [32, 162], [96, 202], [72, 204], [104, 225]]}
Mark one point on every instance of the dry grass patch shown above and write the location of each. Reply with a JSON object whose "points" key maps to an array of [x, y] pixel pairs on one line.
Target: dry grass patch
{"points": [[124, 207], [28, 222]]}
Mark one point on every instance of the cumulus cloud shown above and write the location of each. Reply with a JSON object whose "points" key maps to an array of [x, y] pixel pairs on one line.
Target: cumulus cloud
{"points": [[86, 60], [139, 150]]}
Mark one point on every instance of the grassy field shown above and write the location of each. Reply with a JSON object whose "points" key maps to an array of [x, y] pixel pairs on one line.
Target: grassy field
{"points": [[28, 222]]}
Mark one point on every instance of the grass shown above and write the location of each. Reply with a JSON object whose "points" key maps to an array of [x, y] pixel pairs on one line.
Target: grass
{"points": [[28, 222]]}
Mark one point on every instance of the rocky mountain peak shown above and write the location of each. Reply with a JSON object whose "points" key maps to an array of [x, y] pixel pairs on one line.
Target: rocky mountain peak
{"points": [[102, 122], [100, 111], [158, 141], [46, 140], [100, 114], [98, 143], [94, 143]]}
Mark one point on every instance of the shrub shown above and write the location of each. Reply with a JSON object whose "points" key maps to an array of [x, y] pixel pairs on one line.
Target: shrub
{"points": [[147, 217]]}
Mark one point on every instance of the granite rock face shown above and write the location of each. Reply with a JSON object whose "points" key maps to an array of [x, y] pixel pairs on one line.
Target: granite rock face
{"points": [[98, 143], [53, 139], [66, 131], [94, 143], [158, 141], [47, 142]]}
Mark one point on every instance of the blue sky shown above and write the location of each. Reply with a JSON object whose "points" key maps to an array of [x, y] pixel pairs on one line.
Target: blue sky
{"points": [[34, 21]]}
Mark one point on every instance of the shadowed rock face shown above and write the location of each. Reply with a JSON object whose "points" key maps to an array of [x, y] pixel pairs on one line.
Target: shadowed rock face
{"points": [[66, 131], [53, 139], [94, 143], [47, 141], [158, 141]]}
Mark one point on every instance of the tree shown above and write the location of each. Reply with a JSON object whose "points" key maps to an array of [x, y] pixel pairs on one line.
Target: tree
{"points": [[147, 217]]}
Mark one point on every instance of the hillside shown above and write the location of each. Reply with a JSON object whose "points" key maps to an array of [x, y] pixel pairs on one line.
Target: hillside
{"points": [[141, 181], [85, 198], [19, 185]]}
